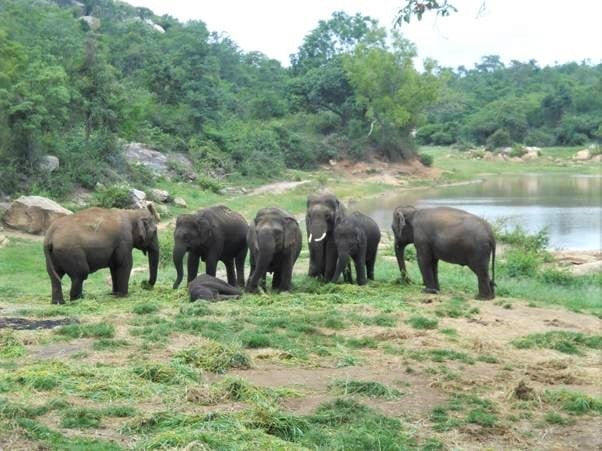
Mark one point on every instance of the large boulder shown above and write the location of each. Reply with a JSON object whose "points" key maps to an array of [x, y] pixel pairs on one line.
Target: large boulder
{"points": [[49, 163], [159, 195], [137, 198], [582, 155], [159, 163], [92, 22], [33, 214], [180, 202], [530, 155]]}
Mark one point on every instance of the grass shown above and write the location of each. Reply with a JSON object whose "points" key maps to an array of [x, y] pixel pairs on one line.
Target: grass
{"points": [[370, 389], [163, 373], [566, 342]]}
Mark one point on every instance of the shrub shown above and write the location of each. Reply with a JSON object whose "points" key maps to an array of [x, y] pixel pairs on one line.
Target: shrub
{"points": [[557, 276], [500, 138], [209, 184], [113, 197], [540, 137], [426, 159], [517, 151], [521, 263]]}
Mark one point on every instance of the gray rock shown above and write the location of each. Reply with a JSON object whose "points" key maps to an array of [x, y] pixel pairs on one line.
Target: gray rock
{"points": [[3, 240], [137, 198], [159, 195], [180, 202], [49, 163], [158, 163], [93, 22], [33, 214], [582, 155]]}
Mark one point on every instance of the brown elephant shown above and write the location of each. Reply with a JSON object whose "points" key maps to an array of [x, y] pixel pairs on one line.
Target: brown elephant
{"points": [[95, 238], [447, 234]]}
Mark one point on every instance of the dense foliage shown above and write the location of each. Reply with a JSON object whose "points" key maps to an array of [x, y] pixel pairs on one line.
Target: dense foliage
{"points": [[80, 79], [498, 105]]}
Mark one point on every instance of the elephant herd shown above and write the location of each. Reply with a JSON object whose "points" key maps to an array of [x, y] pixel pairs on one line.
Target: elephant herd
{"points": [[95, 238]]}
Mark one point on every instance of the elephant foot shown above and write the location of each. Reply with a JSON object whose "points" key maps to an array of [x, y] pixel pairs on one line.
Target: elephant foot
{"points": [[485, 297], [58, 301], [119, 294], [430, 290]]}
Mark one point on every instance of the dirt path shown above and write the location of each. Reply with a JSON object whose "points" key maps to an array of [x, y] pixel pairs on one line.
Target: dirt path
{"points": [[277, 188]]}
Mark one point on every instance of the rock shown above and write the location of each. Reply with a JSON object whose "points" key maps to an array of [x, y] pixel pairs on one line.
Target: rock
{"points": [[180, 203], [3, 207], [532, 149], [158, 163], [93, 22], [159, 195], [597, 158], [530, 155], [155, 26], [506, 150], [49, 163], [586, 268], [502, 157], [33, 214], [582, 155], [332, 163], [3, 239], [516, 159], [488, 156], [137, 198]]}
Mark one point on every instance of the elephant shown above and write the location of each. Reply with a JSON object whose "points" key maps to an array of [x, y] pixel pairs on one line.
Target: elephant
{"points": [[447, 234], [324, 211], [212, 234], [95, 238], [275, 241], [357, 237], [211, 288]]}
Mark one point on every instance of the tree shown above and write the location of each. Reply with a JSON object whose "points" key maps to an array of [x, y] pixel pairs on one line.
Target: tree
{"points": [[417, 8], [394, 94]]}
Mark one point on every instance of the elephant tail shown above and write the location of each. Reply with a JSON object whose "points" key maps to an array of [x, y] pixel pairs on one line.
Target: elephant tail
{"points": [[49, 264], [493, 264]]}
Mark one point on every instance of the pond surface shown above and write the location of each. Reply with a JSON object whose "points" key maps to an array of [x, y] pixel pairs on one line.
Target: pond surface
{"points": [[568, 205]]}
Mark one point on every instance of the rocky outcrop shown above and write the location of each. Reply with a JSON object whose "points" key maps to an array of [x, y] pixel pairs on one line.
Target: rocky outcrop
{"points": [[159, 195], [33, 214], [137, 198], [159, 163], [92, 22], [49, 163], [180, 202]]}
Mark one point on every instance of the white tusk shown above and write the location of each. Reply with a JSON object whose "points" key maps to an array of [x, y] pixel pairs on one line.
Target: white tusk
{"points": [[310, 237], [321, 238]]}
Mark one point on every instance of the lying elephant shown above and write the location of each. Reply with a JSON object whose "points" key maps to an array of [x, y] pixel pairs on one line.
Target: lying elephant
{"points": [[95, 238], [211, 288], [447, 234], [357, 237]]}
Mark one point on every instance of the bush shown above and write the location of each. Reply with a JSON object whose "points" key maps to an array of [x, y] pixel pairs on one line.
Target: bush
{"points": [[540, 137], [521, 263], [426, 159], [517, 151], [113, 197], [500, 138], [209, 184]]}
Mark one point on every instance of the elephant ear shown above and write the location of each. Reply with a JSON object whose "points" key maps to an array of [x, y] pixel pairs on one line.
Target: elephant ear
{"points": [[291, 227], [205, 227], [399, 221]]}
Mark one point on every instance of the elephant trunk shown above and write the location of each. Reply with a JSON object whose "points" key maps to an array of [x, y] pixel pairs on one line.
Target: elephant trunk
{"points": [[178, 260], [264, 253], [153, 260], [318, 232], [342, 262]]}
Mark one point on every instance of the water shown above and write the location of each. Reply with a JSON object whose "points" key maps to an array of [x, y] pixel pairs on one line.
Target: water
{"points": [[569, 206]]}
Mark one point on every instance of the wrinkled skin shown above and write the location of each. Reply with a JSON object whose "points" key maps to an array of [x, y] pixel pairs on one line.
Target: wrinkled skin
{"points": [[324, 211], [211, 288], [356, 237], [448, 234], [275, 241], [95, 238], [211, 235]]}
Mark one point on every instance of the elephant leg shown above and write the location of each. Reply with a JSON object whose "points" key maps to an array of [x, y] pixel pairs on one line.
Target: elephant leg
{"points": [[231, 275], [57, 287], [211, 265], [436, 273], [330, 257], [276, 279], [370, 262], [77, 284], [193, 266], [122, 275], [425, 263], [240, 267], [360, 268], [485, 288], [287, 275]]}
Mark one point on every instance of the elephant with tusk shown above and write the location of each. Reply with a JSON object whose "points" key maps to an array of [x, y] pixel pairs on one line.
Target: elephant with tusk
{"points": [[324, 212]]}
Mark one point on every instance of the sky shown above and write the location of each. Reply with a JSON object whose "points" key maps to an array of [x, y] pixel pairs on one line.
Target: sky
{"points": [[549, 31]]}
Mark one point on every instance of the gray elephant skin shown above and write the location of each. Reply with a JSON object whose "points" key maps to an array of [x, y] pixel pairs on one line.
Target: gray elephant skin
{"points": [[212, 234], [95, 238], [275, 241], [448, 234], [324, 211], [211, 288], [356, 237]]}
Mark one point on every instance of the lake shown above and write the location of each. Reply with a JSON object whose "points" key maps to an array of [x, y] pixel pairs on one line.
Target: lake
{"points": [[568, 205]]}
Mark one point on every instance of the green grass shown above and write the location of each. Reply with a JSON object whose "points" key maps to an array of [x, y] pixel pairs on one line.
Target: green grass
{"points": [[10, 345], [574, 402], [145, 309], [464, 409], [422, 322], [215, 357], [566, 342], [99, 330], [370, 389]]}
